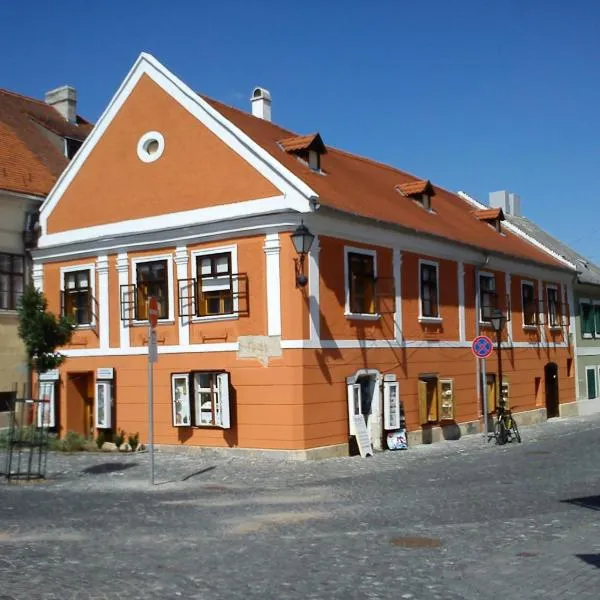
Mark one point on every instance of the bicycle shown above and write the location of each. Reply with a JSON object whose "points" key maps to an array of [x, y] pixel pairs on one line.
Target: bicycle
{"points": [[505, 427]]}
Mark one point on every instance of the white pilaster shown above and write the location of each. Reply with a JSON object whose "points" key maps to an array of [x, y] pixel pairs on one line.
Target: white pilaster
{"points": [[103, 307], [462, 332], [272, 249], [123, 270], [397, 270], [181, 260], [38, 276], [509, 328], [314, 279]]}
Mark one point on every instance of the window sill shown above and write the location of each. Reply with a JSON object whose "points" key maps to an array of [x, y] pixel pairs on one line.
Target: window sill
{"points": [[209, 318], [85, 327], [486, 324], [8, 312], [587, 336], [530, 327], [430, 320], [146, 323], [362, 316], [555, 328]]}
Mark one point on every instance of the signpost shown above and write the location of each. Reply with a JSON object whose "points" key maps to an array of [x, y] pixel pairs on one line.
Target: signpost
{"points": [[482, 347], [152, 358]]}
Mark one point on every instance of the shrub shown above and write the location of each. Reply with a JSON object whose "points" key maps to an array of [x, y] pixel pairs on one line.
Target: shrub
{"points": [[100, 439], [74, 442], [119, 438], [133, 439]]}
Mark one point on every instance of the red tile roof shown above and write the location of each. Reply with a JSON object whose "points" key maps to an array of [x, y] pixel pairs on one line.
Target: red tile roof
{"points": [[414, 188], [489, 214], [364, 187], [303, 142], [29, 160]]}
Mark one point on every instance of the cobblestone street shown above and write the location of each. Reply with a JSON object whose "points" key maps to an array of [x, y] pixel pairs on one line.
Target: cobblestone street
{"points": [[456, 520]]}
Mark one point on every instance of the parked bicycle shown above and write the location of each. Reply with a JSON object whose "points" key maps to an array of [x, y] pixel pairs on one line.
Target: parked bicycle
{"points": [[505, 427]]}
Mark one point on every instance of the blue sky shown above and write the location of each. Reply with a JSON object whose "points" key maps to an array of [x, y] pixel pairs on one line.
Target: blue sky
{"points": [[475, 95]]}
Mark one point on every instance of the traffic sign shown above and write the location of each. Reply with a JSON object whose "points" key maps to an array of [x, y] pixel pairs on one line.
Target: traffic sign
{"points": [[152, 311], [482, 346]]}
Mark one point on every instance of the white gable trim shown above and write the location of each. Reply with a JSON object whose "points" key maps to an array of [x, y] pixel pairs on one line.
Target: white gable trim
{"points": [[519, 232], [296, 193], [209, 214]]}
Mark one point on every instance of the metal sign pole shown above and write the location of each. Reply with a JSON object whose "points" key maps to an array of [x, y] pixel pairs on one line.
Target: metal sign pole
{"points": [[151, 402], [485, 400]]}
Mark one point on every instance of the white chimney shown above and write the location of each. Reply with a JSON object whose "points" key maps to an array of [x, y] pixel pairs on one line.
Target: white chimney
{"points": [[261, 103], [64, 100], [509, 203]]}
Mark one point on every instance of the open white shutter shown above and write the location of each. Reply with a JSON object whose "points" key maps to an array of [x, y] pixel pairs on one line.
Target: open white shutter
{"points": [[46, 414], [354, 404], [391, 405], [103, 405], [222, 417], [180, 400]]}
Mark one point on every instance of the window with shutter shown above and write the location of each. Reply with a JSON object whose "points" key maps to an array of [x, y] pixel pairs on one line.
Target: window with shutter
{"points": [[152, 279], [77, 300], [553, 306], [12, 269], [210, 405], [528, 304], [429, 290], [215, 285], [588, 326], [361, 283], [488, 299]]}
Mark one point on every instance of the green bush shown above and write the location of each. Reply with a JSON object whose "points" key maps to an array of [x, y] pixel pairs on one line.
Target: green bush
{"points": [[119, 438], [133, 439], [74, 442], [100, 439]]}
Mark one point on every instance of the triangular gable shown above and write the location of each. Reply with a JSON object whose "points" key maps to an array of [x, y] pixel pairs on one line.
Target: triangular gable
{"points": [[294, 194]]}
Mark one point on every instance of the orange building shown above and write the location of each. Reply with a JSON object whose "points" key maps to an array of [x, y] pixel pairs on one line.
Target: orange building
{"points": [[177, 196]]}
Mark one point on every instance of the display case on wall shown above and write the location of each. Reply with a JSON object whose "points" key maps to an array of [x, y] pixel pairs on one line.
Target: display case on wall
{"points": [[180, 389], [446, 395], [391, 405], [103, 405], [46, 408], [505, 393]]}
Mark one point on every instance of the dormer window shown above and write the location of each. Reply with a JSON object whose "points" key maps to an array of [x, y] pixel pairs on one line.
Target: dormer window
{"points": [[420, 190], [492, 216], [71, 147], [307, 148]]}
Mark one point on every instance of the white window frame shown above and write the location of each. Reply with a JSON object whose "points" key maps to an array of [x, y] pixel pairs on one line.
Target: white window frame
{"points": [[170, 292], [586, 336], [525, 282], [595, 370], [91, 267], [422, 318], [366, 252], [232, 249], [553, 286], [107, 423], [481, 274]]}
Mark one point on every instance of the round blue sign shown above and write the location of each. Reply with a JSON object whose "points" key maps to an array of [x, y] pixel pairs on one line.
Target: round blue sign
{"points": [[482, 346]]}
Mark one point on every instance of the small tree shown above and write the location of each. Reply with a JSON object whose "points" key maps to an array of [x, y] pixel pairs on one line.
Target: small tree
{"points": [[41, 331]]}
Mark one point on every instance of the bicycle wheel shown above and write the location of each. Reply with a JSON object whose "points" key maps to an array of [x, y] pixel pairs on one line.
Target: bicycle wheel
{"points": [[500, 433], [516, 430]]}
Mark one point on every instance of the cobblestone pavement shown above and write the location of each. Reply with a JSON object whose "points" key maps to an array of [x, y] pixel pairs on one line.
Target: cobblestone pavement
{"points": [[457, 520]]}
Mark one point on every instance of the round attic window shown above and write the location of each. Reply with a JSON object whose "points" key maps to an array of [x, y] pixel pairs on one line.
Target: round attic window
{"points": [[151, 146]]}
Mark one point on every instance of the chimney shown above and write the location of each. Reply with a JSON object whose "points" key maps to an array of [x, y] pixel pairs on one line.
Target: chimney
{"points": [[64, 100], [509, 203], [261, 103]]}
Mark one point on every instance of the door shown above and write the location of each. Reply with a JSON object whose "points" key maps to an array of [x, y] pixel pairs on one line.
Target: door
{"points": [[80, 403], [551, 385]]}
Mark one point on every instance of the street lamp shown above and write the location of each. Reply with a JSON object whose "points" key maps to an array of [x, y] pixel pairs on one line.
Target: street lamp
{"points": [[302, 239], [498, 321]]}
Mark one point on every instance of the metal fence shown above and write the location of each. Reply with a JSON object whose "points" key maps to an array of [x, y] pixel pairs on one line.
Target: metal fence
{"points": [[26, 440]]}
